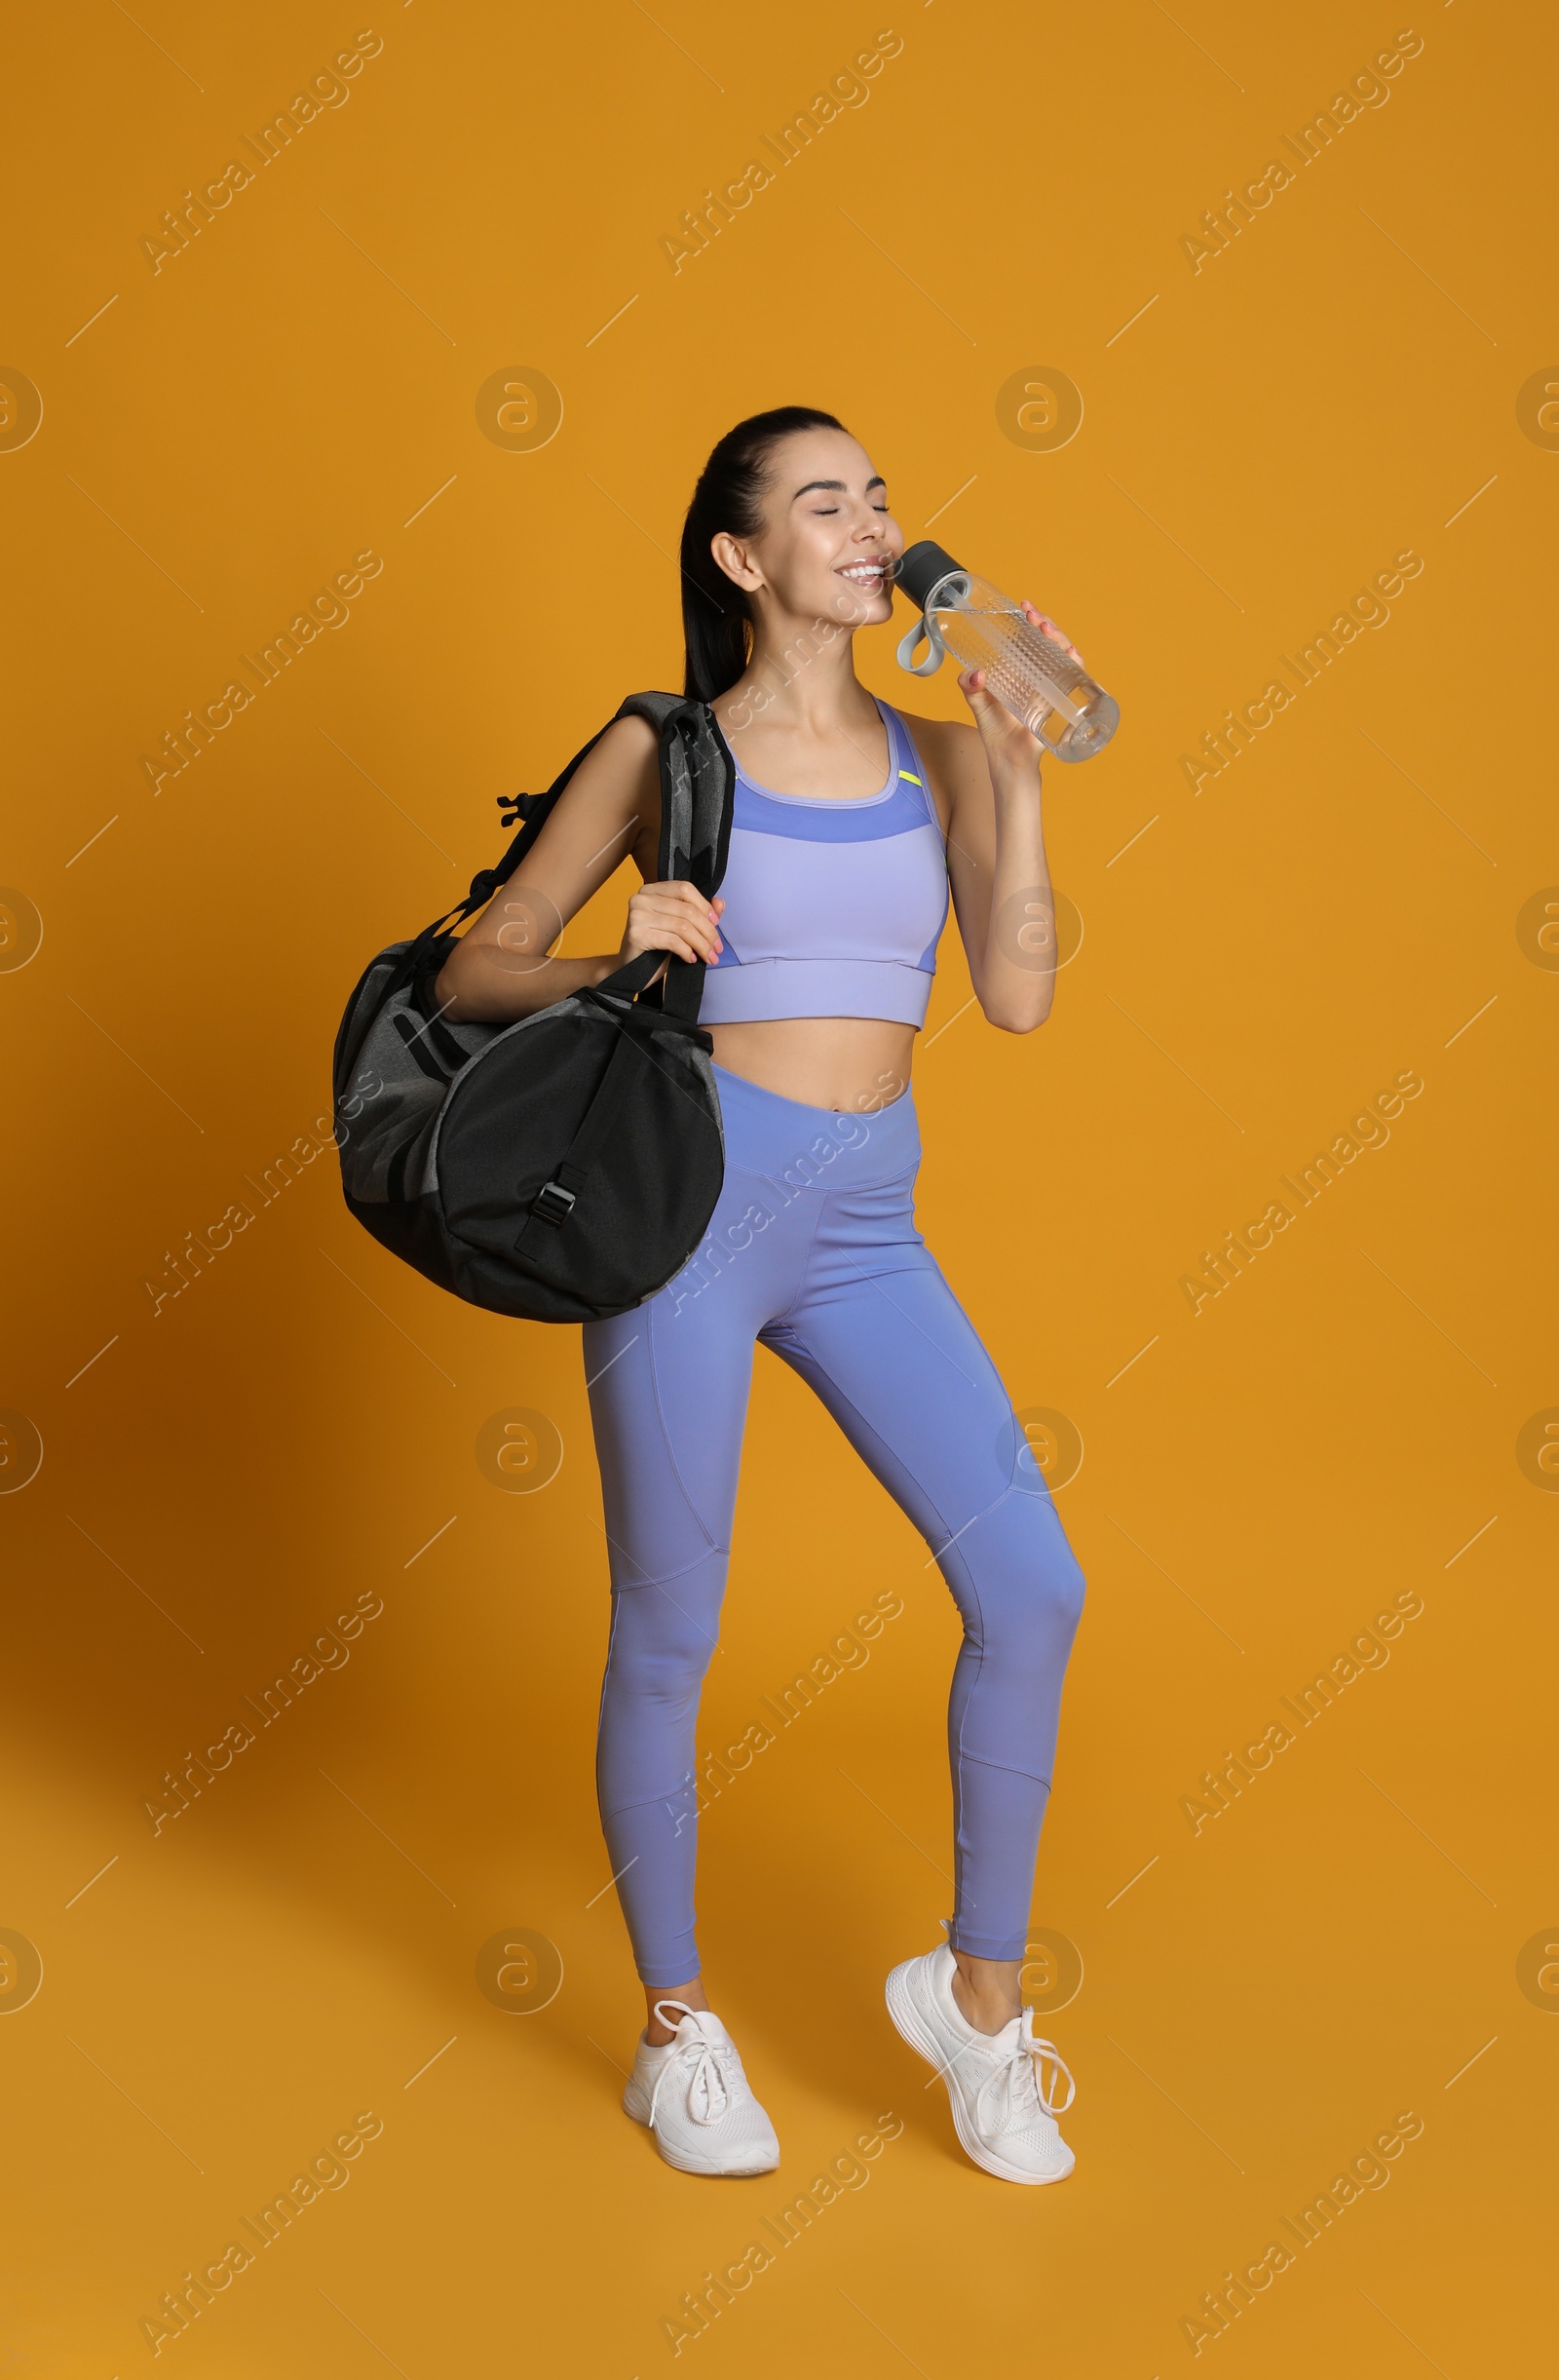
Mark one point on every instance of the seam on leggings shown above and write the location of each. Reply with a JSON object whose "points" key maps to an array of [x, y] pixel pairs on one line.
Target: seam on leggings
{"points": [[619, 1809], [958, 1848], [1009, 1768], [669, 1577], [952, 1536], [871, 1431], [979, 1664], [671, 1449], [803, 1267], [984, 1514], [874, 1281], [962, 1755], [990, 1360], [600, 1708], [711, 1640]]}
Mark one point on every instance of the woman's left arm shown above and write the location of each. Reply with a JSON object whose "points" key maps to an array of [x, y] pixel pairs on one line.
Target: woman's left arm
{"points": [[1000, 879]]}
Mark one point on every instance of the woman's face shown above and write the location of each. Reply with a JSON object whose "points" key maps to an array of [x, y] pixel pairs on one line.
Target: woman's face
{"points": [[828, 542]]}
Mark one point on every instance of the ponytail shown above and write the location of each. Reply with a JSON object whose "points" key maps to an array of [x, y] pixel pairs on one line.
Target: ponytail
{"points": [[716, 616]]}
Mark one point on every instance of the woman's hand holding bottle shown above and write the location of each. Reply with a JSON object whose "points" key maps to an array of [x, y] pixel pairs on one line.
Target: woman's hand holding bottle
{"points": [[1008, 744]]}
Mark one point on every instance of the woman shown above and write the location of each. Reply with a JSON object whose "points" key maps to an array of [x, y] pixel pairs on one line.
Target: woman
{"points": [[849, 826]]}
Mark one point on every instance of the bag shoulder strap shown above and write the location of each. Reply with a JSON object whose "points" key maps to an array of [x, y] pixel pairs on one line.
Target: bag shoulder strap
{"points": [[698, 789], [698, 783]]}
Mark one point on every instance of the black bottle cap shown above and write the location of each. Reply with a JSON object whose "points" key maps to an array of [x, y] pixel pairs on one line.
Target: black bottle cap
{"points": [[921, 568]]}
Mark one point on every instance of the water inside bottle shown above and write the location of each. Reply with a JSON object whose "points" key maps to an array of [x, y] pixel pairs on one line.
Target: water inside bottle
{"points": [[1030, 675]]}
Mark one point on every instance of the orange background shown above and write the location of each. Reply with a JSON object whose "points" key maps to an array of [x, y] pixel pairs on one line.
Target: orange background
{"points": [[220, 438]]}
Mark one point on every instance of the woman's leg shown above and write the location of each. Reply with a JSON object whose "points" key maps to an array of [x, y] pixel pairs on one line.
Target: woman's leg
{"points": [[878, 1333], [669, 1385]]}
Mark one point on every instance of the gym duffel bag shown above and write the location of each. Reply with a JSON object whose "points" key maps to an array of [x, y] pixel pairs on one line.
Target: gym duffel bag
{"points": [[561, 1169]]}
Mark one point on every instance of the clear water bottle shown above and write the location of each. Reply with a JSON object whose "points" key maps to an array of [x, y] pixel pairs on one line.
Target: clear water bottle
{"points": [[1034, 676]]}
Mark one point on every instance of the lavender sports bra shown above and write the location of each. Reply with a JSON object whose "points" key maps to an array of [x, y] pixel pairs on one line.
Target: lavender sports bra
{"points": [[832, 909]]}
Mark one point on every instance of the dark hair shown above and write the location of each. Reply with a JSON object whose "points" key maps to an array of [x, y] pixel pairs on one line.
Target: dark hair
{"points": [[716, 617]]}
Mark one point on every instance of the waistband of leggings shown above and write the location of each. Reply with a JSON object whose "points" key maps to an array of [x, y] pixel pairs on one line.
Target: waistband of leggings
{"points": [[767, 1134]]}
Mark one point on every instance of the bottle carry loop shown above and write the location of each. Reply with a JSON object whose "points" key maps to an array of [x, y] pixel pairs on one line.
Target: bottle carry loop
{"points": [[931, 572], [935, 650]]}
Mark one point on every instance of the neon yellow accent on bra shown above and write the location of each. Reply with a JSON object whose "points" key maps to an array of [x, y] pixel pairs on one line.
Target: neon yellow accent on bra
{"points": [[914, 781]]}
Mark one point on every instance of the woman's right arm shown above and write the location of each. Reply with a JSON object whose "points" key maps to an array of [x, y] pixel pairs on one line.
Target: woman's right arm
{"points": [[499, 970]]}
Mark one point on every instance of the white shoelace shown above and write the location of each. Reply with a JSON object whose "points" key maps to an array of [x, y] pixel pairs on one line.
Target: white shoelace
{"points": [[705, 2066], [1025, 2090]]}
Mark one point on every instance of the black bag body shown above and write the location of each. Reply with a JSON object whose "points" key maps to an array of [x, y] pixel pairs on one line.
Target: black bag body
{"points": [[561, 1169]]}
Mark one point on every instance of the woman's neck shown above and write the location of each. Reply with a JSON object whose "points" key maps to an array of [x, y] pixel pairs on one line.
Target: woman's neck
{"points": [[802, 676]]}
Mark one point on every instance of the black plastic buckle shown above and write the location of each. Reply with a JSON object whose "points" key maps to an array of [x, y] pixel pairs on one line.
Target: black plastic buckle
{"points": [[552, 1203]]}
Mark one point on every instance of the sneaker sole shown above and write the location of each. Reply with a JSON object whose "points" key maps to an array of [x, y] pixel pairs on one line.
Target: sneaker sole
{"points": [[912, 2025], [632, 2106]]}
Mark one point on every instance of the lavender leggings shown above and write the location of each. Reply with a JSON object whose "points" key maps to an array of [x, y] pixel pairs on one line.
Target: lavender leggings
{"points": [[812, 1249]]}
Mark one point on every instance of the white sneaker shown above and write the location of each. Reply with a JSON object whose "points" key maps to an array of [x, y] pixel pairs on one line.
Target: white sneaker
{"points": [[695, 2099], [1004, 2119]]}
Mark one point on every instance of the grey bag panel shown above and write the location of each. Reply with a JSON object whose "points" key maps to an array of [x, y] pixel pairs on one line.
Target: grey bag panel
{"points": [[677, 827], [414, 1170], [699, 1062], [712, 767], [698, 768], [363, 1004], [398, 1100]]}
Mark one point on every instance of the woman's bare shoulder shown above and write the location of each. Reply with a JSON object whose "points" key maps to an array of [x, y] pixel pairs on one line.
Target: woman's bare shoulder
{"points": [[613, 792], [620, 771], [627, 742], [953, 757], [620, 792], [949, 736]]}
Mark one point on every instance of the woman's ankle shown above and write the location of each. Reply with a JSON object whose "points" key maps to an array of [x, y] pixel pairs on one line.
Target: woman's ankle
{"points": [[691, 1995], [987, 1992]]}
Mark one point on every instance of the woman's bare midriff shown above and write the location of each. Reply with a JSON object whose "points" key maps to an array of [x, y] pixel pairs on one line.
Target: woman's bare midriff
{"points": [[854, 1064]]}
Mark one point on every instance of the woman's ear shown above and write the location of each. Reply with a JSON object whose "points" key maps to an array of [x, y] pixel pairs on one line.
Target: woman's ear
{"points": [[733, 559]]}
